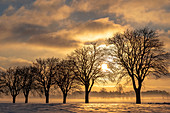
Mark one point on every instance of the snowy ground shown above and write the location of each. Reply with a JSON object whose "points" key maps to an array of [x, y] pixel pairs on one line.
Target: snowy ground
{"points": [[84, 108], [96, 105]]}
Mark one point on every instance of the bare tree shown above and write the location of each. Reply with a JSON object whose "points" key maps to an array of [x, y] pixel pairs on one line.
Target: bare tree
{"points": [[2, 83], [65, 77], [28, 83], [139, 53], [13, 81], [46, 74], [88, 66]]}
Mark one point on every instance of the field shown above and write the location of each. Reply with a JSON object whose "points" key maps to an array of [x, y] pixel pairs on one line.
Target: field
{"points": [[96, 105], [84, 108]]}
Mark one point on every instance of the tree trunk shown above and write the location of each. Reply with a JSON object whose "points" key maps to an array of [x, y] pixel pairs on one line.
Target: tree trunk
{"points": [[26, 98], [138, 98], [137, 90], [64, 98], [47, 97], [14, 98], [86, 94]]}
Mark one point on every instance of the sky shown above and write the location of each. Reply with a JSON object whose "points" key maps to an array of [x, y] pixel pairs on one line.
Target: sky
{"points": [[31, 29]]}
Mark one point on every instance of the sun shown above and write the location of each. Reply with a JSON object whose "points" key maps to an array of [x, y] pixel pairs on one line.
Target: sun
{"points": [[104, 67]]}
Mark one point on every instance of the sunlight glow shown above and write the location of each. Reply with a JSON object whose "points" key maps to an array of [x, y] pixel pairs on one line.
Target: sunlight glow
{"points": [[104, 67]]}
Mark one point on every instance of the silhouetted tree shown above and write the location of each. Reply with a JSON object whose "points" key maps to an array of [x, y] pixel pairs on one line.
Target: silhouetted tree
{"points": [[13, 81], [65, 77], [29, 83], [46, 74], [3, 87], [140, 53], [88, 66]]}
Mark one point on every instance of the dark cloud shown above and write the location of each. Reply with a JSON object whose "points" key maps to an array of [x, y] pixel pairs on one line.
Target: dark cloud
{"points": [[21, 32], [3, 28], [54, 41], [85, 16], [5, 4], [9, 11], [27, 30], [133, 12], [94, 26], [167, 8], [68, 2]]}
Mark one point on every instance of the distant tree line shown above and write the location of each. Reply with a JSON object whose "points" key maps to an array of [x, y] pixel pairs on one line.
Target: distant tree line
{"points": [[132, 55], [112, 94]]}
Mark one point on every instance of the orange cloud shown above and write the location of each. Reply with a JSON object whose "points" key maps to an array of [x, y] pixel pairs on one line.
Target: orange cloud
{"points": [[93, 30], [100, 28]]}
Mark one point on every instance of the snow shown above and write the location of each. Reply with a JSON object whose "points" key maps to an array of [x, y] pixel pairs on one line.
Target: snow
{"points": [[96, 105], [83, 108]]}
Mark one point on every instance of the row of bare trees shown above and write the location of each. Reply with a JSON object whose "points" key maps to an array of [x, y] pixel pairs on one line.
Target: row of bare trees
{"points": [[82, 67], [18, 79], [133, 55]]}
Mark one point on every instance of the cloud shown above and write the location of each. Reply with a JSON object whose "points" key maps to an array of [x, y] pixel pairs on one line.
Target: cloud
{"points": [[30, 52], [165, 38], [9, 11], [76, 34], [40, 13], [88, 5], [141, 12], [34, 25], [44, 28], [73, 36], [29, 29], [97, 29], [20, 32], [53, 40], [7, 5], [9, 62]]}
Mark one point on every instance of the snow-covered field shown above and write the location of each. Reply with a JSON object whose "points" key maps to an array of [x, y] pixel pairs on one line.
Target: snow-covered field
{"points": [[84, 108], [96, 105]]}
